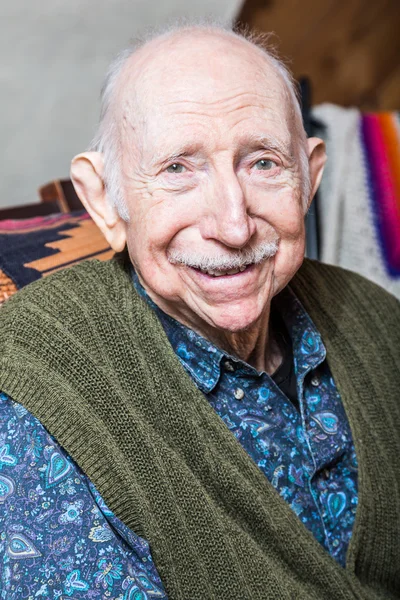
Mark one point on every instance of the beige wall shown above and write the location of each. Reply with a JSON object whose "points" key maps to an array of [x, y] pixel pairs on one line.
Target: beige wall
{"points": [[53, 57]]}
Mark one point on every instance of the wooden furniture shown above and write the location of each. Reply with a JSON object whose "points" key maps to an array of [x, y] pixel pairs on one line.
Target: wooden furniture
{"points": [[58, 196], [26, 211], [63, 192]]}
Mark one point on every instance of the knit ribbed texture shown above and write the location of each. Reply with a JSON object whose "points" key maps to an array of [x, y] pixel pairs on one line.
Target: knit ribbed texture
{"points": [[90, 360]]}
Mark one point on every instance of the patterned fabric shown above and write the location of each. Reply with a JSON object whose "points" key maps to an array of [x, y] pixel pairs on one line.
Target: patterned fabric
{"points": [[37, 247], [60, 539], [308, 456], [359, 196], [7, 287], [381, 138]]}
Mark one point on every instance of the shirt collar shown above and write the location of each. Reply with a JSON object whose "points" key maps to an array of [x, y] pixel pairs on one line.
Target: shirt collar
{"points": [[308, 348]]}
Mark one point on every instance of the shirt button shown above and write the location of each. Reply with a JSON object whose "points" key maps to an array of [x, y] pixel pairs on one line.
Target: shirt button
{"points": [[229, 366], [239, 394], [315, 381]]}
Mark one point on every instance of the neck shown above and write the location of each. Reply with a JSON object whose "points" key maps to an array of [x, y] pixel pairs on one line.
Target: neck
{"points": [[256, 346]]}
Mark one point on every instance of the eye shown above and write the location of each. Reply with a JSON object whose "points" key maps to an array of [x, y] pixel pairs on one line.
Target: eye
{"points": [[265, 164], [175, 168]]}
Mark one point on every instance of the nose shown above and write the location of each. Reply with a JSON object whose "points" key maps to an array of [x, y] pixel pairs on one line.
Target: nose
{"points": [[227, 219]]}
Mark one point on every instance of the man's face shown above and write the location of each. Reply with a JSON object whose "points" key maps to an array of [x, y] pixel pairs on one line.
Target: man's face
{"points": [[211, 172]]}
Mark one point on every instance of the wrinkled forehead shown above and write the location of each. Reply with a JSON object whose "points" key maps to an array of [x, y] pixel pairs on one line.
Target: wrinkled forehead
{"points": [[200, 78]]}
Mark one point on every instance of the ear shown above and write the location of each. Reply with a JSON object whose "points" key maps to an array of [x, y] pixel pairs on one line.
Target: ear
{"points": [[316, 160], [87, 176]]}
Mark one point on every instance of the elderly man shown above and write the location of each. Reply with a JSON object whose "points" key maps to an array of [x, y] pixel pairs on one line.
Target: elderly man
{"points": [[202, 416]]}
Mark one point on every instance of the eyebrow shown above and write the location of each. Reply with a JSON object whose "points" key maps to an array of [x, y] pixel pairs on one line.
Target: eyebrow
{"points": [[267, 142], [187, 149]]}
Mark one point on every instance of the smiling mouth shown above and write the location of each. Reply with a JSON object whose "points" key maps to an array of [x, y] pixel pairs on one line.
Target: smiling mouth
{"points": [[218, 273]]}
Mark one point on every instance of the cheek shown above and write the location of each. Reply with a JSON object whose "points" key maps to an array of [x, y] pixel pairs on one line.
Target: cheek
{"points": [[281, 208], [287, 261], [289, 213], [155, 220]]}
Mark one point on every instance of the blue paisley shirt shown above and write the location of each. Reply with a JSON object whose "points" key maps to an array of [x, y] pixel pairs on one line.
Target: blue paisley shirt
{"points": [[58, 539]]}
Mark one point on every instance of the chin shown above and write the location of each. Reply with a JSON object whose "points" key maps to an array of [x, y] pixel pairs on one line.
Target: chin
{"points": [[235, 319]]}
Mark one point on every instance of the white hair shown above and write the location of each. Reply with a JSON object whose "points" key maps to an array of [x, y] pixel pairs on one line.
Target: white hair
{"points": [[106, 139]]}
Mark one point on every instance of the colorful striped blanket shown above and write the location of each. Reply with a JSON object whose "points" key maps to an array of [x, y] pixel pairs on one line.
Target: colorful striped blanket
{"points": [[381, 139], [360, 192]]}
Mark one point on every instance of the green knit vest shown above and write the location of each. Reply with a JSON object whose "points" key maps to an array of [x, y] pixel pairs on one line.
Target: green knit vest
{"points": [[89, 358]]}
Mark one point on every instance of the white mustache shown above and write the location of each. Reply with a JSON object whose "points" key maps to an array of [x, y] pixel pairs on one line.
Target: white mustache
{"points": [[236, 260]]}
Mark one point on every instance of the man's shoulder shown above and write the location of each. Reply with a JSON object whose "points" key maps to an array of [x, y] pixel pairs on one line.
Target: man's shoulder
{"points": [[340, 281], [70, 304], [346, 299], [77, 284]]}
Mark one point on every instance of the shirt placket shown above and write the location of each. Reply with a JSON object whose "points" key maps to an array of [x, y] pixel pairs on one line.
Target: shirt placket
{"points": [[335, 483], [304, 369]]}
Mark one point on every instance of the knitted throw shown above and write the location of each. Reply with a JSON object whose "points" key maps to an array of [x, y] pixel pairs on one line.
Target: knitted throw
{"points": [[89, 359], [360, 192]]}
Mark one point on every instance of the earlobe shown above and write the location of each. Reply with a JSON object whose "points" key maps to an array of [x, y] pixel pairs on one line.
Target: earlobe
{"points": [[87, 176], [316, 160]]}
